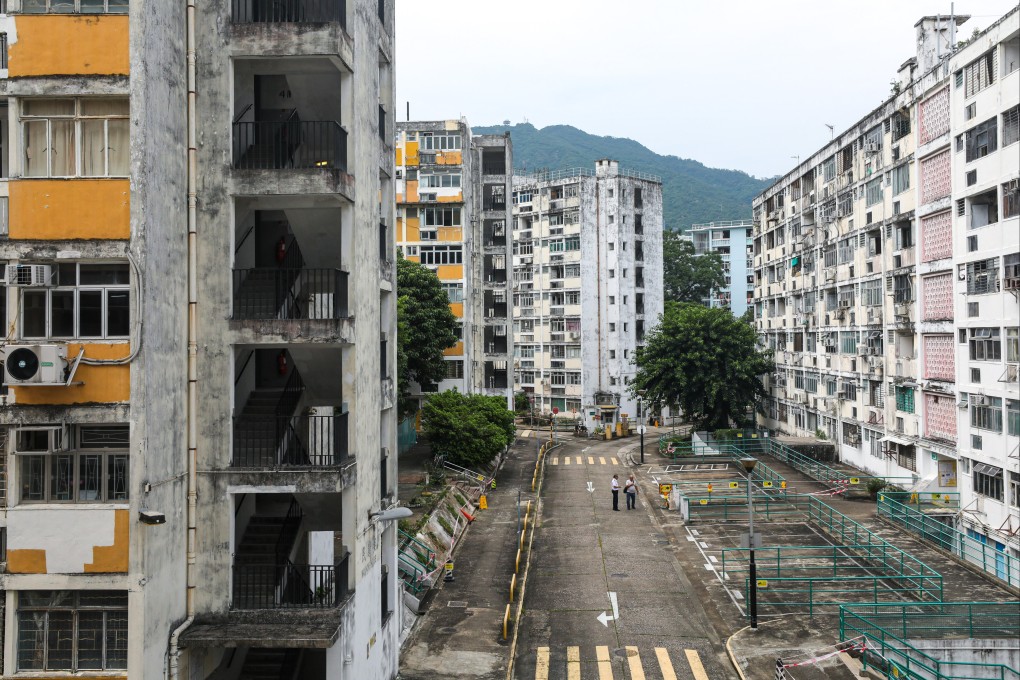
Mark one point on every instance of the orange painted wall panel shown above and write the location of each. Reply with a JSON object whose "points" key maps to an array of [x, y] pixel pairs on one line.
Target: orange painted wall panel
{"points": [[113, 559], [411, 150], [448, 158], [455, 351], [450, 234], [400, 155], [102, 384], [458, 309], [60, 45], [458, 198], [413, 258], [49, 209], [412, 191], [450, 272], [411, 229]]}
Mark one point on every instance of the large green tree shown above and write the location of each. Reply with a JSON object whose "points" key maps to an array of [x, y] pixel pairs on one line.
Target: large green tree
{"points": [[687, 277], [707, 362], [468, 429], [425, 327]]}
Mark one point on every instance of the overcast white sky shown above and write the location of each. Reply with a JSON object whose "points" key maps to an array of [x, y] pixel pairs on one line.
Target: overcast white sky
{"points": [[742, 84]]}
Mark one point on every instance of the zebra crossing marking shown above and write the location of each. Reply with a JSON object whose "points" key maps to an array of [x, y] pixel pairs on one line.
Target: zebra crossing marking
{"points": [[574, 663], [615, 462], [542, 664], [695, 663], [602, 461], [605, 663], [634, 661], [665, 665]]}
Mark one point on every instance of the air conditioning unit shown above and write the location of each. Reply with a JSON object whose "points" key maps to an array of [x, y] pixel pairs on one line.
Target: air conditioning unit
{"points": [[902, 310], [863, 351], [574, 336], [28, 275], [35, 364], [978, 400], [1011, 284], [1012, 372], [844, 304], [872, 147]]}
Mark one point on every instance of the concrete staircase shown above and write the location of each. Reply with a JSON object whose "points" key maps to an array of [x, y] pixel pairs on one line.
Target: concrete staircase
{"points": [[270, 664], [256, 298], [262, 427]]}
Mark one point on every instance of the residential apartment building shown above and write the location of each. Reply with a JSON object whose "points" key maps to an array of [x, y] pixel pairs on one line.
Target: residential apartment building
{"points": [[733, 241], [452, 217], [880, 281], [200, 319], [587, 286]]}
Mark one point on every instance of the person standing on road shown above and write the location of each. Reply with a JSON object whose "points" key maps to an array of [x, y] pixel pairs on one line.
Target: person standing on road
{"points": [[630, 488], [615, 486]]}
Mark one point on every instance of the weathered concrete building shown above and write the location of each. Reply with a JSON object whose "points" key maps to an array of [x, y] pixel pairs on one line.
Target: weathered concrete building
{"points": [[734, 242], [452, 216], [199, 305], [885, 275], [587, 285]]}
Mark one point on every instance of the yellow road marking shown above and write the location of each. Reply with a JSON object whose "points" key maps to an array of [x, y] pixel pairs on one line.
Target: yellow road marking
{"points": [[579, 460], [542, 664], [605, 663], [602, 461], [554, 461], [614, 461], [636, 672], [591, 461], [665, 664], [695, 661], [566, 460], [573, 663]]}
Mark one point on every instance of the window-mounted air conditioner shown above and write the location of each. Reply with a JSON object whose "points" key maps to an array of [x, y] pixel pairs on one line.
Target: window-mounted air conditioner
{"points": [[28, 275]]}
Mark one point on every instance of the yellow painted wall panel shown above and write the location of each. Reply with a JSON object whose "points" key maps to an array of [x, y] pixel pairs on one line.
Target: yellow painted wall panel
{"points": [[412, 191], [400, 155], [451, 272], [400, 197], [450, 234], [26, 561], [89, 209], [458, 198], [448, 158], [413, 258], [456, 351], [458, 309], [102, 384], [113, 559], [61, 45], [411, 151]]}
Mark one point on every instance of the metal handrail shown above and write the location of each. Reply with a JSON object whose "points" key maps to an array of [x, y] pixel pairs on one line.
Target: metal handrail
{"points": [[290, 144], [288, 585], [297, 293], [296, 441], [289, 11]]}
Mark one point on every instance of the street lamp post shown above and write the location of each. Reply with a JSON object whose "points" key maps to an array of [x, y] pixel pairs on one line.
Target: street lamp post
{"points": [[641, 426], [749, 464]]}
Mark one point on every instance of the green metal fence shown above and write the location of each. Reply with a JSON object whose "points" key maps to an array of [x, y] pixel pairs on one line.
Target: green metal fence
{"points": [[922, 499], [712, 508], [994, 562], [892, 631]]}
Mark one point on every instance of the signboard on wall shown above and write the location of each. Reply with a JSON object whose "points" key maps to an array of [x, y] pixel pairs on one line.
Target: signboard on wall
{"points": [[947, 473]]}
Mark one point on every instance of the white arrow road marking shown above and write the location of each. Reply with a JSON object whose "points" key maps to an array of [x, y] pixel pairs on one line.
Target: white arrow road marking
{"points": [[605, 618], [591, 487]]}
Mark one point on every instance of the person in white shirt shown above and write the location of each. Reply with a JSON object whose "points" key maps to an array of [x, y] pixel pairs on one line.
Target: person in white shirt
{"points": [[630, 488], [615, 486]]}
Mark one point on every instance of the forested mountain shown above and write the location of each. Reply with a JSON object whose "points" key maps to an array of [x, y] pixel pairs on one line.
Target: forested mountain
{"points": [[691, 192]]}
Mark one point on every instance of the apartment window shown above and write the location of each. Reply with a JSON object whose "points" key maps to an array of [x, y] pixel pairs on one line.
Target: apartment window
{"points": [[1013, 417], [1011, 199], [94, 471], [88, 301], [982, 139], [985, 344], [1011, 126], [873, 191], [612, 327], [829, 169], [441, 217], [439, 142], [612, 299], [454, 291], [979, 74], [1014, 489], [901, 179], [900, 126], [572, 297], [74, 6], [983, 276], [871, 293], [76, 137], [905, 399], [904, 454], [439, 181], [903, 288], [1013, 345], [454, 370], [436, 255], [986, 413], [976, 442], [612, 273], [64, 630], [574, 378], [848, 342], [988, 480]]}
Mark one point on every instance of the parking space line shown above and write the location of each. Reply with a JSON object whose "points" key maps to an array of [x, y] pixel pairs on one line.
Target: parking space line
{"points": [[605, 663], [602, 461], [591, 461], [634, 660], [579, 460], [695, 662], [542, 664], [574, 663], [665, 665], [614, 461]]}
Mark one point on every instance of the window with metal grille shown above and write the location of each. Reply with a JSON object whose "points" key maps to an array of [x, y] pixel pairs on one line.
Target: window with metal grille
{"points": [[985, 344], [979, 74], [901, 179], [983, 276], [1011, 199], [988, 480], [94, 470], [986, 413], [68, 630], [900, 126], [905, 399], [982, 139], [873, 191], [1011, 126]]}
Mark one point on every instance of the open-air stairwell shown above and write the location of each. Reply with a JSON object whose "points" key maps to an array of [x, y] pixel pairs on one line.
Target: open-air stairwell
{"points": [[271, 664], [259, 560]]}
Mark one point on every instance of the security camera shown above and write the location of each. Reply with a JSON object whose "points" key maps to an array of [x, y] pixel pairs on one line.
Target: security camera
{"points": [[151, 517]]}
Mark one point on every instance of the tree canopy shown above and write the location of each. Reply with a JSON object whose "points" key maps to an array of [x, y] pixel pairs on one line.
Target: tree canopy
{"points": [[425, 327], [705, 361], [685, 276], [468, 429]]}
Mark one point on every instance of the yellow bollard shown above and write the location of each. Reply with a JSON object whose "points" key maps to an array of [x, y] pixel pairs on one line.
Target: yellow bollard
{"points": [[517, 564], [527, 510], [506, 621], [521, 546], [513, 584], [524, 526]]}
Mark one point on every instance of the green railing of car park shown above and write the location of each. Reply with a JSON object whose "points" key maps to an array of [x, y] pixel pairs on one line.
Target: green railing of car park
{"points": [[704, 507], [923, 499], [891, 630], [996, 563]]}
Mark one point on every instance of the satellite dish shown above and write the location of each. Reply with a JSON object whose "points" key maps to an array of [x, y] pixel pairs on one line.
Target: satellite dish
{"points": [[22, 364]]}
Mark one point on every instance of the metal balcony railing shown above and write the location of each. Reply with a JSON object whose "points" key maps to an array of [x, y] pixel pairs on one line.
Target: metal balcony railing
{"points": [[290, 144], [289, 11], [296, 441], [288, 293], [289, 585]]}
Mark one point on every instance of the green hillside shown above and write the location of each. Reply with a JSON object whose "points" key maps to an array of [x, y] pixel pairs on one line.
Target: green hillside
{"points": [[691, 193]]}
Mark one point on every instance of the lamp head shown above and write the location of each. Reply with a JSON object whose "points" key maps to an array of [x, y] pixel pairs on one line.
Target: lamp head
{"points": [[390, 515], [748, 463]]}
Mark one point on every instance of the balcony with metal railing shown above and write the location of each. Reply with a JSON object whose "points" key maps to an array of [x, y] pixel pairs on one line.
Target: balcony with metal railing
{"points": [[289, 12]]}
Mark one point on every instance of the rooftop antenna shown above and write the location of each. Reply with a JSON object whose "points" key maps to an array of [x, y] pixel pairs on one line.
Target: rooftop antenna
{"points": [[832, 131]]}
